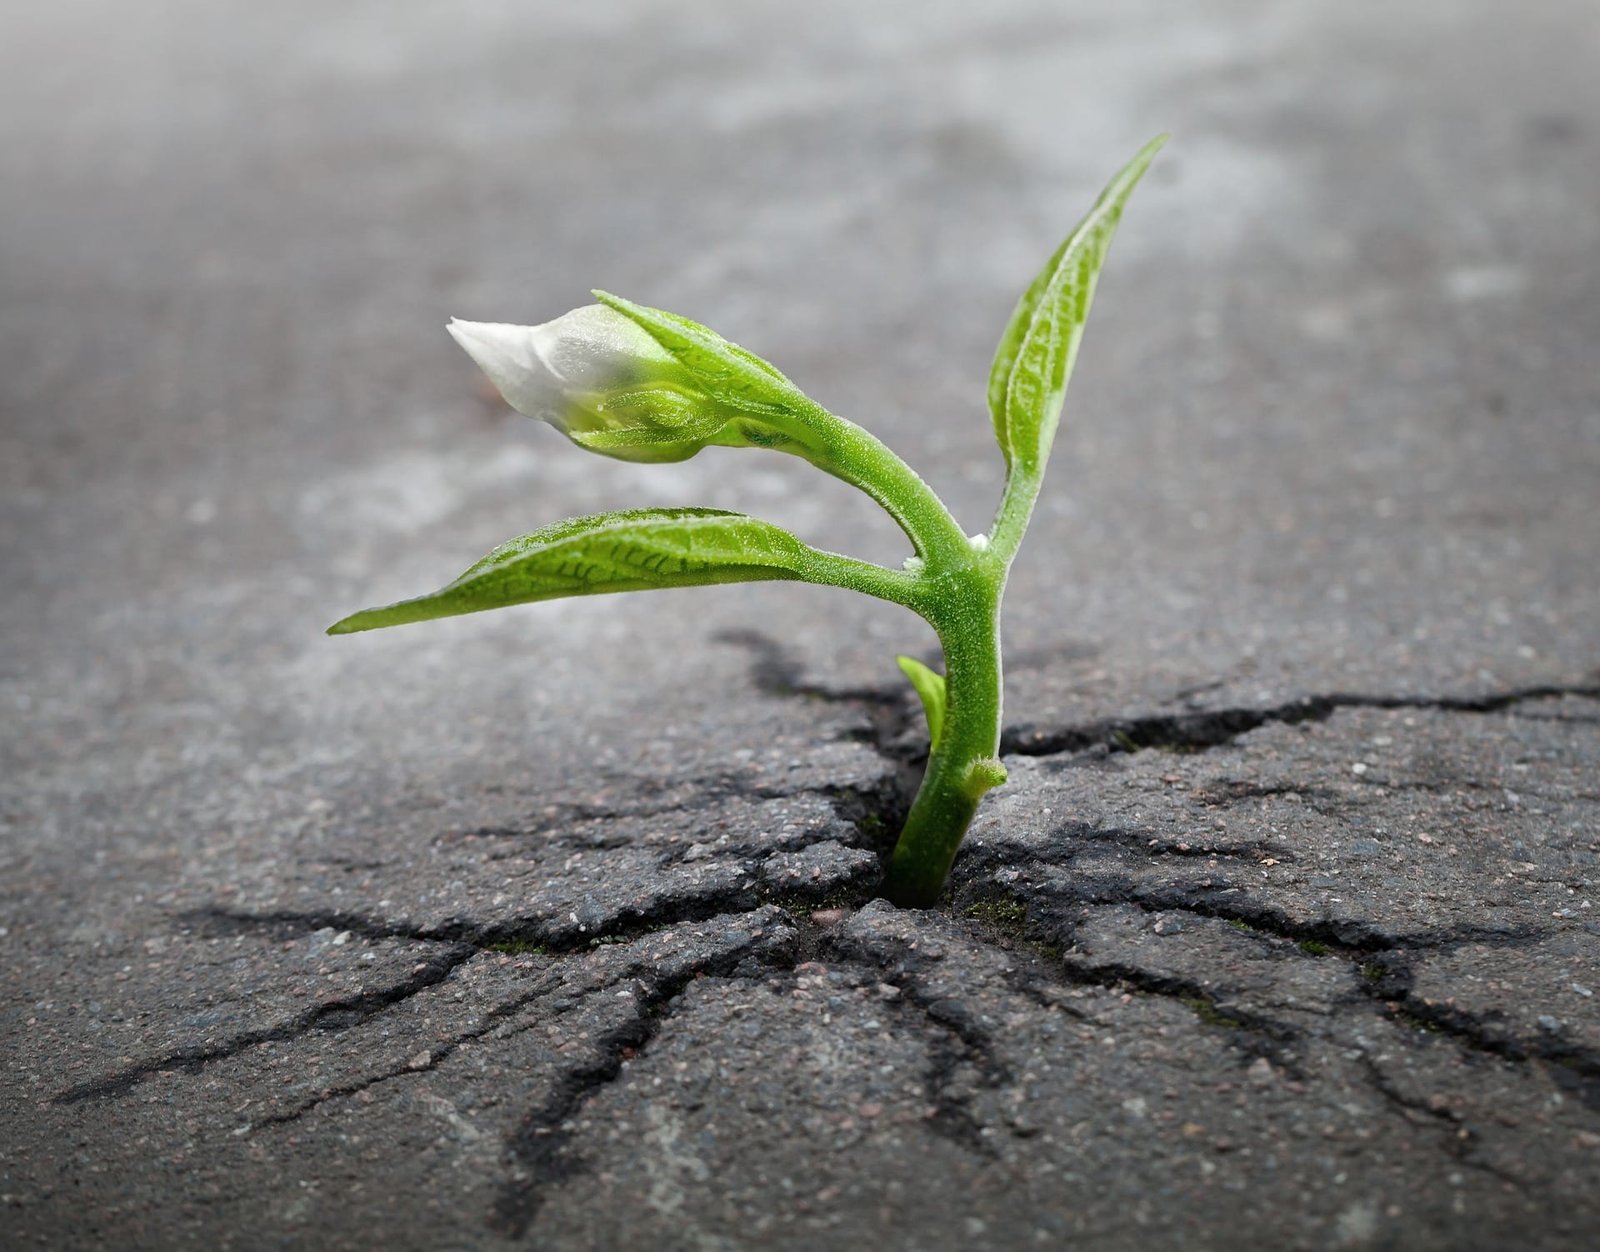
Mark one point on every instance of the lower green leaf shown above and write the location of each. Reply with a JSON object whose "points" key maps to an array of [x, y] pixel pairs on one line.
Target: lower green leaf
{"points": [[635, 550]]}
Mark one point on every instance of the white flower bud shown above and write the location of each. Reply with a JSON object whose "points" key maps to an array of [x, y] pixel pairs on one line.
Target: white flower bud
{"points": [[600, 379]]}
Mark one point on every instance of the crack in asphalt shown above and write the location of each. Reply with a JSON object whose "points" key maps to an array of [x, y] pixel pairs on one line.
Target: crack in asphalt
{"points": [[878, 806], [1260, 1035], [437, 1055], [1199, 730], [1458, 1138], [555, 821], [1576, 1068], [1380, 958], [539, 1152], [338, 1014], [546, 934], [956, 1040], [1253, 1034], [1220, 901]]}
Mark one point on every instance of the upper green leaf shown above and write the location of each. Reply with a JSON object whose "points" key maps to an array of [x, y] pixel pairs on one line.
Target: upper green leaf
{"points": [[628, 551], [1028, 380]]}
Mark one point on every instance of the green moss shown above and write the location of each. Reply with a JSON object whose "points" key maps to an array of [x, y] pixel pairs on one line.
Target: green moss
{"points": [[1208, 1012], [802, 904], [871, 825], [1312, 947], [1372, 971], [1006, 914], [1009, 918], [1241, 925], [520, 947]]}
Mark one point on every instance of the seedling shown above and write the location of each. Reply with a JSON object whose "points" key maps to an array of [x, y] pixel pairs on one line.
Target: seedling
{"points": [[640, 384]]}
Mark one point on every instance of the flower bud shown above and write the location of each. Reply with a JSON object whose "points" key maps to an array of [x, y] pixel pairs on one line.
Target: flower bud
{"points": [[600, 379]]}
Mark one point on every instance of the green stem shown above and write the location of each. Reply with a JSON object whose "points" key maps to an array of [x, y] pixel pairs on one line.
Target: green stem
{"points": [[958, 591], [856, 456], [1016, 508], [965, 764], [833, 569]]}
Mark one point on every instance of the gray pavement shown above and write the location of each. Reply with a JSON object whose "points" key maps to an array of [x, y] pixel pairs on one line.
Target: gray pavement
{"points": [[556, 927]]}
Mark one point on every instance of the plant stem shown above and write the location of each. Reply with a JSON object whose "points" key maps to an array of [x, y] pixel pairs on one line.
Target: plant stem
{"points": [[964, 765], [1015, 511], [857, 456]]}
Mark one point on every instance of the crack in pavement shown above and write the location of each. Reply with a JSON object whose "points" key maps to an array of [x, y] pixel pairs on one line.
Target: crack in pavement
{"points": [[1253, 1034], [958, 1040], [851, 802], [1350, 939], [1576, 1068], [537, 933], [437, 1055], [338, 1014], [1210, 900], [539, 1152], [1458, 1137], [460, 942], [1272, 1036], [1386, 976], [1210, 728]]}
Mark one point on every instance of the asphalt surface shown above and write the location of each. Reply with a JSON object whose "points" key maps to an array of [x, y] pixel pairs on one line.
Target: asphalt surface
{"points": [[557, 927]]}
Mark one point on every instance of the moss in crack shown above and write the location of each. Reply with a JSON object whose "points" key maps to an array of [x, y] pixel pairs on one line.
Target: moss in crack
{"points": [[1314, 947], [519, 947], [804, 903], [872, 828], [1373, 972], [1240, 924], [1008, 915], [1004, 920], [1207, 1011]]}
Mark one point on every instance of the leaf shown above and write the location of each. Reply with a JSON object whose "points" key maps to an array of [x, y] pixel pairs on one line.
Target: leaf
{"points": [[629, 551], [724, 371], [930, 686], [1028, 380]]}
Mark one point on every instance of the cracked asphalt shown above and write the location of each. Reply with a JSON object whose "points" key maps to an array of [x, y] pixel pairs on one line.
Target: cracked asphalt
{"points": [[558, 927]]}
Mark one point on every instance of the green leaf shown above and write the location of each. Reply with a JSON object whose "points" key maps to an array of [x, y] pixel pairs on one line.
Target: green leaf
{"points": [[930, 686], [630, 551], [1028, 380], [724, 371]]}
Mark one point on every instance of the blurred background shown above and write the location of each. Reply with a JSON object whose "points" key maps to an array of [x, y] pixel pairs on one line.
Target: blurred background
{"points": [[1336, 424]]}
